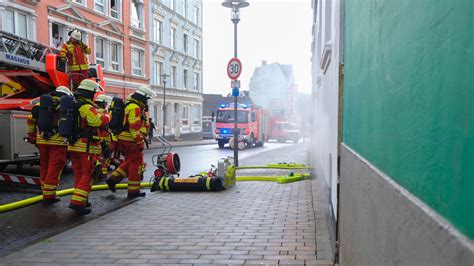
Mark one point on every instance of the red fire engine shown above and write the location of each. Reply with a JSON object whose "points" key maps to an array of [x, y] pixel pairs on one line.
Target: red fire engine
{"points": [[252, 124], [27, 70]]}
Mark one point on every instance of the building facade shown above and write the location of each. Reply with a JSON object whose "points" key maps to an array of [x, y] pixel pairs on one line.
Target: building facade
{"points": [[392, 129], [272, 86], [176, 51], [115, 30]]}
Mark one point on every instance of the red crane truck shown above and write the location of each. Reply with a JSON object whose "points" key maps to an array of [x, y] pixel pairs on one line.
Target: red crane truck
{"points": [[35, 69]]}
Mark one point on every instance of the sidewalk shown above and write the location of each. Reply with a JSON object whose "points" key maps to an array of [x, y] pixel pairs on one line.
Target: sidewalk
{"points": [[252, 223]]}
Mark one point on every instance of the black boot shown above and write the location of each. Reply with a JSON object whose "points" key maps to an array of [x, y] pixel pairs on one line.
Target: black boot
{"points": [[80, 209], [136, 195], [110, 184], [51, 201]]}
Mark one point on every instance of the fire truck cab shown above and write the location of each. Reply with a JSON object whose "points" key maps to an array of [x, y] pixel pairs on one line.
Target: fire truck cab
{"points": [[252, 124]]}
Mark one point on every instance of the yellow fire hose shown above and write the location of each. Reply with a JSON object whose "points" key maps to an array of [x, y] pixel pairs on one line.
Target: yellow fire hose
{"points": [[291, 166], [33, 200], [279, 179]]}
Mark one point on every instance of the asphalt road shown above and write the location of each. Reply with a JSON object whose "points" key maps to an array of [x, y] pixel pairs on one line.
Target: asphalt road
{"points": [[30, 224]]}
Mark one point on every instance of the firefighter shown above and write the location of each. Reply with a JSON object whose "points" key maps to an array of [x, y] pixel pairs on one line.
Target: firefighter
{"points": [[75, 51], [106, 136], [132, 141], [86, 146], [42, 131]]}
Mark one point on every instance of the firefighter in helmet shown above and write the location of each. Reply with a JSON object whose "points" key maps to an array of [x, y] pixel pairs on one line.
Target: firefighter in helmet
{"points": [[132, 140], [43, 131], [86, 148], [76, 53]]}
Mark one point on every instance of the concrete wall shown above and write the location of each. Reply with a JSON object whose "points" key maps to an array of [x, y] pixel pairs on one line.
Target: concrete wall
{"points": [[381, 223], [325, 106]]}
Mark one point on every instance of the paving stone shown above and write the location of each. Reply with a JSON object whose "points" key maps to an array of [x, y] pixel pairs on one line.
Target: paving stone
{"points": [[261, 262]]}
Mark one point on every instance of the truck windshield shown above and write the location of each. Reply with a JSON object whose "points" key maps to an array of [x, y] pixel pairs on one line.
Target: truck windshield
{"points": [[227, 116]]}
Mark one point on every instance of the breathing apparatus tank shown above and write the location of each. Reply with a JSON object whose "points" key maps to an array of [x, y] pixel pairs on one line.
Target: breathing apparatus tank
{"points": [[66, 116], [45, 116]]}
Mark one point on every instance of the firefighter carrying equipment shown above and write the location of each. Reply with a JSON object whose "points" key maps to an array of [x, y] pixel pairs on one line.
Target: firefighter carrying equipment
{"points": [[33, 200], [52, 162], [134, 123]]}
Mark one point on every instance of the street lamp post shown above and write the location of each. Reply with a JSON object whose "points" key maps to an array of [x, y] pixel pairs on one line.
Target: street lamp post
{"points": [[235, 18], [164, 76]]}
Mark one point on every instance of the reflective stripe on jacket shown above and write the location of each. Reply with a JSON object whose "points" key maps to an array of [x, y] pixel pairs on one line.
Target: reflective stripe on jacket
{"points": [[76, 54], [135, 122], [90, 122], [54, 139]]}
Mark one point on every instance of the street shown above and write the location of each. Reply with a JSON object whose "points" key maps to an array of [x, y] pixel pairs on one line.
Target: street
{"points": [[30, 224]]}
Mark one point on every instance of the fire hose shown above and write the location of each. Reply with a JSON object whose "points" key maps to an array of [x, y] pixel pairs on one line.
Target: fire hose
{"points": [[33, 200]]}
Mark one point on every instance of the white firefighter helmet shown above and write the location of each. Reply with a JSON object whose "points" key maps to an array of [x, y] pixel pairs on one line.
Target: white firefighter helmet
{"points": [[64, 90], [76, 35], [88, 85], [146, 91], [102, 98]]}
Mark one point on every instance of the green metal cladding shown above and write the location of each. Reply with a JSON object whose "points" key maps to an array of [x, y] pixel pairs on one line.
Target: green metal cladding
{"points": [[408, 97]]}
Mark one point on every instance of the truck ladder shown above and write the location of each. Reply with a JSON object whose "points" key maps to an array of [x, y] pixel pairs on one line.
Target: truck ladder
{"points": [[22, 53]]}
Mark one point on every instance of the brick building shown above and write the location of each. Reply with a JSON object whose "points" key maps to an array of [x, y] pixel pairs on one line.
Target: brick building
{"points": [[116, 31]]}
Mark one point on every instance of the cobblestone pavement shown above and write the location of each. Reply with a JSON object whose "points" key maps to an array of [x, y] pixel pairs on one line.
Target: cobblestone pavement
{"points": [[252, 223]]}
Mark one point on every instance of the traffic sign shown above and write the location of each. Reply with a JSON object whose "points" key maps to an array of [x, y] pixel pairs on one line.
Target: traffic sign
{"points": [[234, 68]]}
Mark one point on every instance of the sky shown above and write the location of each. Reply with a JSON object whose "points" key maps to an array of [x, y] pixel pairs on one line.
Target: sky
{"points": [[271, 30]]}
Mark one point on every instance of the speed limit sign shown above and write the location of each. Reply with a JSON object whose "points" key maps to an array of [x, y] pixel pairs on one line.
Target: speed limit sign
{"points": [[234, 68]]}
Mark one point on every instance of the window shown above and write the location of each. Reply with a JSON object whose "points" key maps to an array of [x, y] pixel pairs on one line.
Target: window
{"points": [[158, 29], [196, 81], [158, 66], [136, 14], [173, 38], [99, 52], [173, 76], [115, 9], [185, 79], [185, 8], [185, 43], [115, 56], [16, 23], [81, 2], [137, 62], [196, 48], [196, 15], [99, 6], [185, 115]]}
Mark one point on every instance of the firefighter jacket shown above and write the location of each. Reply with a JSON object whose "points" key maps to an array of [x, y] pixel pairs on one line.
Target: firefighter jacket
{"points": [[89, 122], [135, 122], [55, 138], [76, 55]]}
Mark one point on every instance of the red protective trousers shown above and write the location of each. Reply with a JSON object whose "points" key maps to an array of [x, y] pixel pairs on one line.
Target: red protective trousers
{"points": [[52, 162], [132, 166], [83, 168], [78, 76]]}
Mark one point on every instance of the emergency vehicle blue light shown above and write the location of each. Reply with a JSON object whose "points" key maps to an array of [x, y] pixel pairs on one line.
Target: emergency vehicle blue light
{"points": [[244, 106], [224, 131], [222, 105]]}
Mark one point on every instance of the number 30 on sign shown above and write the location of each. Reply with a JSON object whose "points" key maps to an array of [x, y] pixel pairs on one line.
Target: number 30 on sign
{"points": [[234, 68]]}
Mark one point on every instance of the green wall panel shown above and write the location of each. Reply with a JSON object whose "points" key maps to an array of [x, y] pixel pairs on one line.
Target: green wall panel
{"points": [[408, 97]]}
